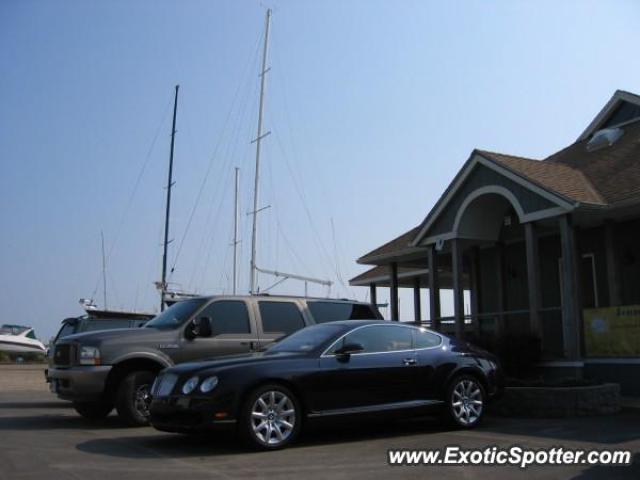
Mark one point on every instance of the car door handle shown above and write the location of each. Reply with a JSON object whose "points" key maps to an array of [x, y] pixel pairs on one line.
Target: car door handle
{"points": [[409, 361]]}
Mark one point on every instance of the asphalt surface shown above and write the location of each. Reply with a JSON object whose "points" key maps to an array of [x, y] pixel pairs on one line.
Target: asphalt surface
{"points": [[42, 437]]}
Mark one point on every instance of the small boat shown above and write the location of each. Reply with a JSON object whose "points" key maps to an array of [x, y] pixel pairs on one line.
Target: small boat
{"points": [[19, 339]]}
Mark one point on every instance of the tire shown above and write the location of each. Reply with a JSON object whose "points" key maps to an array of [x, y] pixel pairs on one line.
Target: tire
{"points": [[465, 402], [133, 396], [270, 418], [97, 410]]}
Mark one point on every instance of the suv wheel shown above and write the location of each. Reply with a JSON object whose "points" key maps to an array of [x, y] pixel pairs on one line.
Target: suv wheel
{"points": [[93, 410], [133, 398], [465, 401], [270, 418]]}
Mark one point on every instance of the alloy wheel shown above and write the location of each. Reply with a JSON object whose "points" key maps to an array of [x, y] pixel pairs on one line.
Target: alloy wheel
{"points": [[142, 399], [273, 418], [467, 402]]}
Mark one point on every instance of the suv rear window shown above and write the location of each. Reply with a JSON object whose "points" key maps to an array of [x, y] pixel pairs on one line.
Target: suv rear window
{"points": [[280, 317], [324, 312]]}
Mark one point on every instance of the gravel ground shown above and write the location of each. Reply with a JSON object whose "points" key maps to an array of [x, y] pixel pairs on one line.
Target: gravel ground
{"points": [[22, 378]]}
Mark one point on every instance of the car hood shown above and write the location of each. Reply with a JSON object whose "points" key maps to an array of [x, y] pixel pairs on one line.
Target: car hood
{"points": [[100, 336], [234, 361]]}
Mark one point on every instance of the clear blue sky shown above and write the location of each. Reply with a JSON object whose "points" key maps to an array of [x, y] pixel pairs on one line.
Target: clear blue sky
{"points": [[374, 106]]}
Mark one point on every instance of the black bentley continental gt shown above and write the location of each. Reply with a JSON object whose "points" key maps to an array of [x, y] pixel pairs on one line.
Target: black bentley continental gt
{"points": [[344, 368]]}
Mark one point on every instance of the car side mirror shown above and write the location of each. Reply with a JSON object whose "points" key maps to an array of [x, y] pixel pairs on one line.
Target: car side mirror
{"points": [[199, 327], [344, 352]]}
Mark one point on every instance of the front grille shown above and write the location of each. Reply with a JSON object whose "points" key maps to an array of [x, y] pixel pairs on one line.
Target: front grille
{"points": [[63, 355], [163, 386]]}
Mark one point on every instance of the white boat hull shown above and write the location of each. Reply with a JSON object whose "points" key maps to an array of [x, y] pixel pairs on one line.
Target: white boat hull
{"points": [[15, 344]]}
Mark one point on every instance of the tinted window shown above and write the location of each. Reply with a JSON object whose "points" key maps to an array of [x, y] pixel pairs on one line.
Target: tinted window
{"points": [[176, 314], [228, 317], [93, 325], [67, 329], [307, 339], [386, 338], [324, 312], [280, 317], [426, 339]]}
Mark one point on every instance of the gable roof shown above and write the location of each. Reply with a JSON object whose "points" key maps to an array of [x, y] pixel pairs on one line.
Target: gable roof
{"points": [[498, 163], [394, 246], [572, 178], [613, 171], [614, 102], [570, 182]]}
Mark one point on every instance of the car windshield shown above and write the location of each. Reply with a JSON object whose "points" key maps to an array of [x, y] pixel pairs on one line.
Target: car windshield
{"points": [[307, 339], [176, 314]]}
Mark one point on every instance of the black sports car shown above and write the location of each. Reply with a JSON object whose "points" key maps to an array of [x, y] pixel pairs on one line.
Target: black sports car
{"points": [[332, 369]]}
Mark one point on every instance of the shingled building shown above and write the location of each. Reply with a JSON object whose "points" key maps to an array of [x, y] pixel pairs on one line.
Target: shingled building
{"points": [[547, 248]]}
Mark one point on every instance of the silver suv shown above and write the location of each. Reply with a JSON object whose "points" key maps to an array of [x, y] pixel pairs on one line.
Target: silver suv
{"points": [[100, 370]]}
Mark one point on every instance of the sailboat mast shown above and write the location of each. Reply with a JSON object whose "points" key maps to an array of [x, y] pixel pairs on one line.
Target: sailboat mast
{"points": [[104, 272], [235, 235], [163, 286], [259, 137]]}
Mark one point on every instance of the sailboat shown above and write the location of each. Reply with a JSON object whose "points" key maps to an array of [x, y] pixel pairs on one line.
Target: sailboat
{"points": [[280, 276], [19, 339], [168, 296]]}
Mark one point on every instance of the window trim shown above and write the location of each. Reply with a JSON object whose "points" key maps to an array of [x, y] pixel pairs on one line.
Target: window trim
{"points": [[384, 323]]}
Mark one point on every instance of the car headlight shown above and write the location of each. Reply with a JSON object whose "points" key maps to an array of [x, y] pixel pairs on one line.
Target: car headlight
{"points": [[190, 385], [209, 384], [89, 356]]}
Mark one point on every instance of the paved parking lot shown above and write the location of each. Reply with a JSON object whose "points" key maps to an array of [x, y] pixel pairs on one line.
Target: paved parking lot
{"points": [[42, 437]]}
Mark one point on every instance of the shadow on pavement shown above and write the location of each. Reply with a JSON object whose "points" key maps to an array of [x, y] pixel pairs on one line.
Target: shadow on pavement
{"points": [[57, 421], [612, 472], [606, 430], [22, 405], [225, 442]]}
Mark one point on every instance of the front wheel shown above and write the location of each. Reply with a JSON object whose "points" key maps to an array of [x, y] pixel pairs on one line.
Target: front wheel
{"points": [[93, 410], [465, 401], [271, 418], [133, 398]]}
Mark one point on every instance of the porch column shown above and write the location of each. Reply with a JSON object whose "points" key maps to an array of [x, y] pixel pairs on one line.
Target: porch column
{"points": [[533, 278], [417, 308], [373, 293], [395, 310], [501, 327], [570, 305], [434, 287], [613, 274], [458, 298], [474, 291]]}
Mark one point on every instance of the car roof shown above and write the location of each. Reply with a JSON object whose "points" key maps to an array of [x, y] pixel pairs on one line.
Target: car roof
{"points": [[263, 296]]}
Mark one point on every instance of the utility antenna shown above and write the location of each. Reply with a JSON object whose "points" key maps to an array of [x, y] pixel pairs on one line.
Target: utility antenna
{"points": [[257, 141], [163, 284], [235, 235], [104, 273]]}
